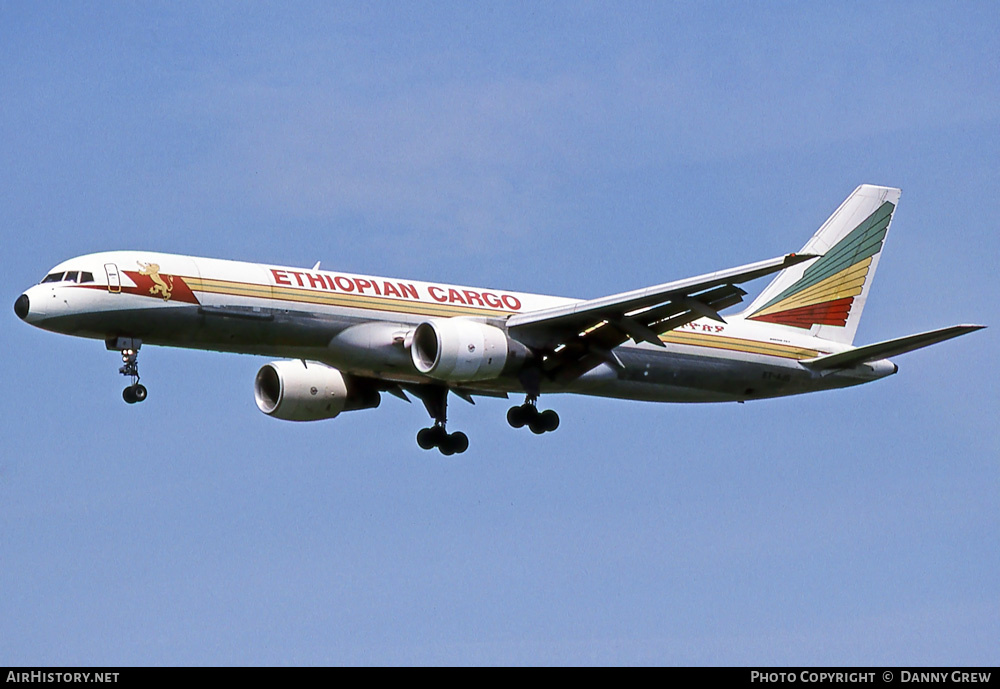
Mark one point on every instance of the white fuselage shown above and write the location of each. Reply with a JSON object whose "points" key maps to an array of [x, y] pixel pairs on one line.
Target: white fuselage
{"points": [[361, 324]]}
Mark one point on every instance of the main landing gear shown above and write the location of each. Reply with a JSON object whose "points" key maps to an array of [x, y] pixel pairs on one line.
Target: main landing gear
{"points": [[435, 399], [528, 415], [447, 443], [136, 392]]}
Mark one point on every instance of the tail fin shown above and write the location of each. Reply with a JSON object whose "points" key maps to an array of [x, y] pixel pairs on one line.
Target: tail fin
{"points": [[827, 295]]}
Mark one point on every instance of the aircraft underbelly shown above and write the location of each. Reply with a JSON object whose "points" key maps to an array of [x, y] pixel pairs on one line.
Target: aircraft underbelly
{"points": [[675, 376]]}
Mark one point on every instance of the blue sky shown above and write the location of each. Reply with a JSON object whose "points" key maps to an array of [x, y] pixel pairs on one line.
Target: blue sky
{"points": [[574, 149]]}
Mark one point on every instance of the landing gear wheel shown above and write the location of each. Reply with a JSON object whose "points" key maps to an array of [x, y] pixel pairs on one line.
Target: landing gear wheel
{"points": [[425, 438], [134, 393], [439, 436], [549, 420], [459, 442], [518, 417]]}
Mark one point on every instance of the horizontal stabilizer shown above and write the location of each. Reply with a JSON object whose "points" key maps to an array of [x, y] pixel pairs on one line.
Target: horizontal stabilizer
{"points": [[884, 350]]}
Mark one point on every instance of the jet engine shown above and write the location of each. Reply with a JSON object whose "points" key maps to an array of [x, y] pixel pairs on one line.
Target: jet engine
{"points": [[459, 350], [309, 391]]}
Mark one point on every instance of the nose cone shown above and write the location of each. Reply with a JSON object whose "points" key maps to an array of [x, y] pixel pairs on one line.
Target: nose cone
{"points": [[21, 306]]}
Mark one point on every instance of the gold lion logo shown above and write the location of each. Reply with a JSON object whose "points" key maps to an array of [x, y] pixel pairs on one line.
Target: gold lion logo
{"points": [[160, 287]]}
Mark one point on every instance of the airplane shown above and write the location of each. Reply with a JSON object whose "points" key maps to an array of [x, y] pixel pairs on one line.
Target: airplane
{"points": [[344, 339]]}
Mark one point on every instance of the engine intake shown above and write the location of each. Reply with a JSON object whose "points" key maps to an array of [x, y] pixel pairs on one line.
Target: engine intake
{"points": [[309, 391], [459, 350]]}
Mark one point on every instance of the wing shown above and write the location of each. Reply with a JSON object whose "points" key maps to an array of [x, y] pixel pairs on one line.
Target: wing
{"points": [[577, 337]]}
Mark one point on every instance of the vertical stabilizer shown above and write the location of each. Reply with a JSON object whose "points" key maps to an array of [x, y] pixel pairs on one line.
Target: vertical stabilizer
{"points": [[826, 296]]}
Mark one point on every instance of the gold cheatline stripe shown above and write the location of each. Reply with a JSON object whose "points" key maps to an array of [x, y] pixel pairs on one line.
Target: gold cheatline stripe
{"points": [[847, 283], [307, 296], [423, 308], [739, 345]]}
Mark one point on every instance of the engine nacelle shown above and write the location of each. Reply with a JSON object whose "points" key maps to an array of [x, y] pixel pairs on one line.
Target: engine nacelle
{"points": [[308, 391], [458, 350]]}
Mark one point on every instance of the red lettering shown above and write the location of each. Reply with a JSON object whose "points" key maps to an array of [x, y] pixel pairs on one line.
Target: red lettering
{"points": [[719, 328], [362, 285], [329, 282], [434, 294], [453, 296], [298, 277], [471, 296], [390, 290], [280, 277], [511, 302], [344, 284], [492, 300], [408, 291], [316, 280]]}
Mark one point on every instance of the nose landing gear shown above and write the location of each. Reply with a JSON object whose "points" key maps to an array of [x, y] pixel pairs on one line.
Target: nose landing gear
{"points": [[129, 347], [136, 392]]}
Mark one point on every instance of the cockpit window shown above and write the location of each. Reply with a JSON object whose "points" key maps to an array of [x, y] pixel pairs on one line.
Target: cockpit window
{"points": [[71, 276]]}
